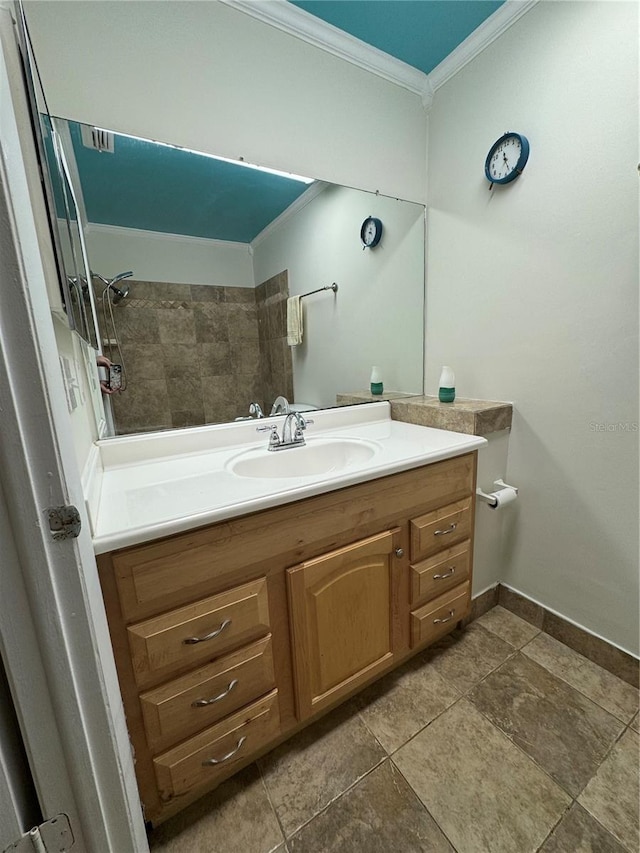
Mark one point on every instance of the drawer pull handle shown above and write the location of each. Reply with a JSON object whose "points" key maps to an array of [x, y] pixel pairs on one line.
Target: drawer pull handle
{"points": [[226, 757], [449, 529], [191, 640], [201, 703], [448, 619], [452, 571]]}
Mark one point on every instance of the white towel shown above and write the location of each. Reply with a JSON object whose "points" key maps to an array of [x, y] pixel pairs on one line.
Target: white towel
{"points": [[294, 321]]}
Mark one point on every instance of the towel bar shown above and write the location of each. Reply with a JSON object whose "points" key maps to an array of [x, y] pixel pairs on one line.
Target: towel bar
{"points": [[333, 287]]}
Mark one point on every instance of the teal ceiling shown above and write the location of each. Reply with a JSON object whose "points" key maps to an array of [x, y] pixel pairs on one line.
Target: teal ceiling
{"points": [[170, 190], [161, 188], [419, 32]]}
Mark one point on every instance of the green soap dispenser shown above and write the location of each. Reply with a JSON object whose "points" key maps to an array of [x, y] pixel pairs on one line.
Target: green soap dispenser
{"points": [[447, 388]]}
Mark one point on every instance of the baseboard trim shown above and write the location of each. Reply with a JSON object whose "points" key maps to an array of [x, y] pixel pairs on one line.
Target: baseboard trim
{"points": [[607, 655]]}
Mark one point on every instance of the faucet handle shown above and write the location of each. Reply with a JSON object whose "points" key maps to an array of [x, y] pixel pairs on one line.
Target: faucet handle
{"points": [[302, 422], [274, 438]]}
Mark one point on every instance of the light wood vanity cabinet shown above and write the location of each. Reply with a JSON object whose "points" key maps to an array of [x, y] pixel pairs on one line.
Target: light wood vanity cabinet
{"points": [[341, 620], [230, 638]]}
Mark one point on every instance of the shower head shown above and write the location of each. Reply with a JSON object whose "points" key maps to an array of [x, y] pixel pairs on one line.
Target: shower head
{"points": [[118, 293], [119, 277]]}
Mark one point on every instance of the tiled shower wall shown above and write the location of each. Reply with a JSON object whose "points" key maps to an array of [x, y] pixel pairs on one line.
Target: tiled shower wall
{"points": [[198, 354], [276, 366]]}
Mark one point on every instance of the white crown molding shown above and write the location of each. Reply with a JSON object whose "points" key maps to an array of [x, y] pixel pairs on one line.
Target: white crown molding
{"points": [[488, 31], [120, 231], [302, 201], [295, 21]]}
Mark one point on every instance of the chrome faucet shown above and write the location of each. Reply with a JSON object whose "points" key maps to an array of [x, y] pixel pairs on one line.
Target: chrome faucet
{"points": [[280, 406], [254, 412], [291, 436]]}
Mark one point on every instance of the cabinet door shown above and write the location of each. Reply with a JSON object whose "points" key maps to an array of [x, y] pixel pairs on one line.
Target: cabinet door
{"points": [[341, 606]]}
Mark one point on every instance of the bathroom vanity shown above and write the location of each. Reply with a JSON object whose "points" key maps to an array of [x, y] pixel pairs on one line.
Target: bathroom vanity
{"points": [[231, 635]]}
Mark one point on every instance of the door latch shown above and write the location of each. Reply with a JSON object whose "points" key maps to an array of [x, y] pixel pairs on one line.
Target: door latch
{"points": [[64, 522]]}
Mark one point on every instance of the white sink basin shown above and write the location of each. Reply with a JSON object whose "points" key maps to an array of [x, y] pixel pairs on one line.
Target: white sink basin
{"points": [[320, 456]]}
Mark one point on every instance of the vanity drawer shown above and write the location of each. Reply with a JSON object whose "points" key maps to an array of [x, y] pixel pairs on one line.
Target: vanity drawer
{"points": [[185, 767], [436, 575], [440, 615], [440, 529], [202, 631], [221, 687]]}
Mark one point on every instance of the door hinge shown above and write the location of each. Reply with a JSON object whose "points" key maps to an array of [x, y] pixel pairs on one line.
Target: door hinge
{"points": [[64, 521], [52, 836]]}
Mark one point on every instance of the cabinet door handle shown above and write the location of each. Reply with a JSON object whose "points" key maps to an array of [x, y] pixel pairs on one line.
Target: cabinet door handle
{"points": [[452, 571], [202, 703], [448, 619], [399, 552], [191, 640], [226, 757], [449, 529]]}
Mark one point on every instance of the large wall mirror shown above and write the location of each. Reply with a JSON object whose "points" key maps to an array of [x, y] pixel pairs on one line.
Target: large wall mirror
{"points": [[69, 294], [190, 261], [193, 259]]}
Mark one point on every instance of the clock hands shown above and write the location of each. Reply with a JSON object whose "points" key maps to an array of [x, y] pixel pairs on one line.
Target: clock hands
{"points": [[506, 159]]}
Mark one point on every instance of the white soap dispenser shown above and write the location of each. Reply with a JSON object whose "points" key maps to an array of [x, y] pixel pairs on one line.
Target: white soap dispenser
{"points": [[376, 381], [447, 386]]}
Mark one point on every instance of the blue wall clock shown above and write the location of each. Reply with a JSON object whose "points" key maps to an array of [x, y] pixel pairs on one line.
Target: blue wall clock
{"points": [[371, 232], [507, 158]]}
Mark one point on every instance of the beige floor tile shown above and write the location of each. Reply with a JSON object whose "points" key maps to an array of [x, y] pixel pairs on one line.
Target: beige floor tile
{"points": [[399, 705], [562, 730], [238, 811], [484, 793], [307, 772], [635, 723], [378, 815], [465, 657], [607, 690], [578, 832], [509, 627], [612, 796]]}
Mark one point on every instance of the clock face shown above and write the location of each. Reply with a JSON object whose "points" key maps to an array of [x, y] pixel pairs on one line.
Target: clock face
{"points": [[371, 232], [507, 158]]}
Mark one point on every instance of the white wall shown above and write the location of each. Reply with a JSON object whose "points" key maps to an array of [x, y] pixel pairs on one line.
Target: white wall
{"points": [[490, 526], [532, 294], [168, 257], [376, 317], [209, 77]]}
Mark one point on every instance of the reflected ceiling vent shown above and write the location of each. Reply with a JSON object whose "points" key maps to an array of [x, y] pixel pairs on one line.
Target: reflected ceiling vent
{"points": [[96, 138]]}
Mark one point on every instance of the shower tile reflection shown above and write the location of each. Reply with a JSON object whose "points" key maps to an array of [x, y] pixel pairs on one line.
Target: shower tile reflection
{"points": [[197, 354]]}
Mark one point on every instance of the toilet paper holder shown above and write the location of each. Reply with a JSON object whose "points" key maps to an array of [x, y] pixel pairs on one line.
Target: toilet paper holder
{"points": [[492, 499]]}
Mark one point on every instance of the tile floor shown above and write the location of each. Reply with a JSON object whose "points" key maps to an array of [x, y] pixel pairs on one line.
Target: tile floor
{"points": [[499, 738]]}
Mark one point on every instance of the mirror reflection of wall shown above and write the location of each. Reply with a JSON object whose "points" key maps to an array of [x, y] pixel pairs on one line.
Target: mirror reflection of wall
{"points": [[202, 329]]}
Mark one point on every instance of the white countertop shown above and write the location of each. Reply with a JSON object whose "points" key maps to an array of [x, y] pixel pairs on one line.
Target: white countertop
{"points": [[152, 485]]}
